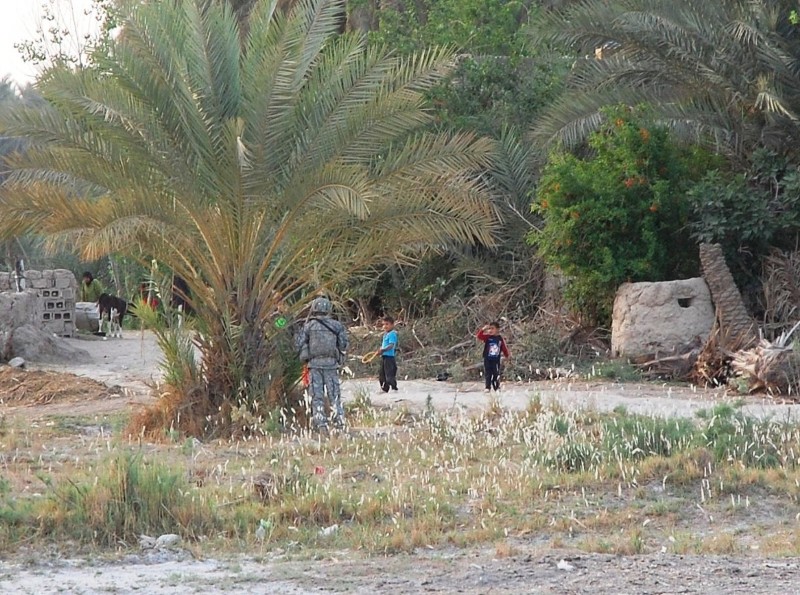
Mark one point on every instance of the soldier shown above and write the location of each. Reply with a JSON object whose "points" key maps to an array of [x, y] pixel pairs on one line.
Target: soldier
{"points": [[322, 344]]}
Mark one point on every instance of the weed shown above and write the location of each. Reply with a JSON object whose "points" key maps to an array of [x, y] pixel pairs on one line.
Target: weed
{"points": [[504, 549], [535, 406], [126, 498], [638, 437], [618, 370], [495, 408], [632, 543], [457, 372], [733, 436], [723, 543], [561, 425], [574, 456], [360, 408]]}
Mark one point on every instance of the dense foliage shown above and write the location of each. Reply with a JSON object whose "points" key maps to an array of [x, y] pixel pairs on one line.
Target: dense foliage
{"points": [[749, 212], [718, 73], [498, 86], [618, 214], [501, 79]]}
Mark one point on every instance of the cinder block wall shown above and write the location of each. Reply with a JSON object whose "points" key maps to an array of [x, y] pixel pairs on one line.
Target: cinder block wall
{"points": [[56, 291]]}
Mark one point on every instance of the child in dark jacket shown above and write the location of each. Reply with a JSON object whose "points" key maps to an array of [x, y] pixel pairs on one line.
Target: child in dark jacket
{"points": [[494, 347]]}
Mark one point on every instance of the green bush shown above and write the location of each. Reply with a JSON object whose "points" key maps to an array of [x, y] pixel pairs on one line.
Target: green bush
{"points": [[617, 215]]}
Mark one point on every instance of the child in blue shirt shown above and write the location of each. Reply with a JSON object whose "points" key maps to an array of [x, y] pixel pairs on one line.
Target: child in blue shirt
{"points": [[388, 372]]}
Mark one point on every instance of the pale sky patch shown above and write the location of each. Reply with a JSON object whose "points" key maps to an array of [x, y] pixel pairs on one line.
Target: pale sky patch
{"points": [[19, 21]]}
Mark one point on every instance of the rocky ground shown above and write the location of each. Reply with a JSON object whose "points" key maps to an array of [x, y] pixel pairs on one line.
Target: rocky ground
{"points": [[128, 367]]}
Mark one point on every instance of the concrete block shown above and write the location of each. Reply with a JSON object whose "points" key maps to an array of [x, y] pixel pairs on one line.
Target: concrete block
{"points": [[19, 309]]}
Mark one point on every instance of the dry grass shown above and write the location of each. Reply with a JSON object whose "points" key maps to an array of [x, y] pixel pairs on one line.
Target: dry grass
{"points": [[402, 481], [35, 387]]}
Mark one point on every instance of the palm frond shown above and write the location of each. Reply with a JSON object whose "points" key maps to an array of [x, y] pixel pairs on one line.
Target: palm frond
{"points": [[683, 54]]}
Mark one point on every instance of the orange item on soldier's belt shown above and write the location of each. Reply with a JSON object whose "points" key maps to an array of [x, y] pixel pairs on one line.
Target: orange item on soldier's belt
{"points": [[305, 377]]}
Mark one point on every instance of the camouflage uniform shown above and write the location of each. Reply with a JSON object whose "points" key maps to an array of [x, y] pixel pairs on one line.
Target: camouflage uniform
{"points": [[322, 344]]}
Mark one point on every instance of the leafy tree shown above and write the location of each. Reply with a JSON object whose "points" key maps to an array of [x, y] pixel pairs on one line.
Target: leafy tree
{"points": [[67, 34], [501, 80], [260, 169], [718, 70], [749, 213], [480, 26], [617, 215]]}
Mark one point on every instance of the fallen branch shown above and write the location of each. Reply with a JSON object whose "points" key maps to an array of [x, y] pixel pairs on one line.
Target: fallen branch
{"points": [[414, 333], [677, 367], [461, 345]]}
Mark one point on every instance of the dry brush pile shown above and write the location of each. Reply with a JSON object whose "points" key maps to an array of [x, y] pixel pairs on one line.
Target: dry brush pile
{"points": [[738, 352], [544, 341]]}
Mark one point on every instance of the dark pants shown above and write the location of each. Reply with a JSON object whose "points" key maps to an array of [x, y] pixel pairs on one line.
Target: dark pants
{"points": [[491, 373], [388, 373]]}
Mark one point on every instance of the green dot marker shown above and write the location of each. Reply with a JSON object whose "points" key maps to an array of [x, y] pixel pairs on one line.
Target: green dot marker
{"points": [[280, 322]]}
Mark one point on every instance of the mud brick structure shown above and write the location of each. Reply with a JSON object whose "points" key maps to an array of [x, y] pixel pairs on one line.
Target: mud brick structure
{"points": [[659, 318]]}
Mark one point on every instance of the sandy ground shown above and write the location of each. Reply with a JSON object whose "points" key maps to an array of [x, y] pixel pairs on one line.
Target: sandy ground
{"points": [[129, 366]]}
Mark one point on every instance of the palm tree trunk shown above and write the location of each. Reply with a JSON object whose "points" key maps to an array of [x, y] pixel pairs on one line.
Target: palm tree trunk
{"points": [[738, 329]]}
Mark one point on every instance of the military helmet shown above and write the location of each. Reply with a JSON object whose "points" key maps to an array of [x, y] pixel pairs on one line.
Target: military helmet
{"points": [[321, 305]]}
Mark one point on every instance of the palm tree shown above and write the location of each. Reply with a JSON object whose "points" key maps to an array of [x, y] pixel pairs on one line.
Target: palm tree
{"points": [[737, 328], [259, 169], [724, 70]]}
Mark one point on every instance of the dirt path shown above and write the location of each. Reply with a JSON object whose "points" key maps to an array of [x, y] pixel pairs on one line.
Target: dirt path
{"points": [[444, 571], [130, 366]]}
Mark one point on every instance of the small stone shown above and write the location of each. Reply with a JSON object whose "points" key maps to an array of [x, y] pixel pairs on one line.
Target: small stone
{"points": [[325, 531], [564, 565], [17, 362], [167, 541]]}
